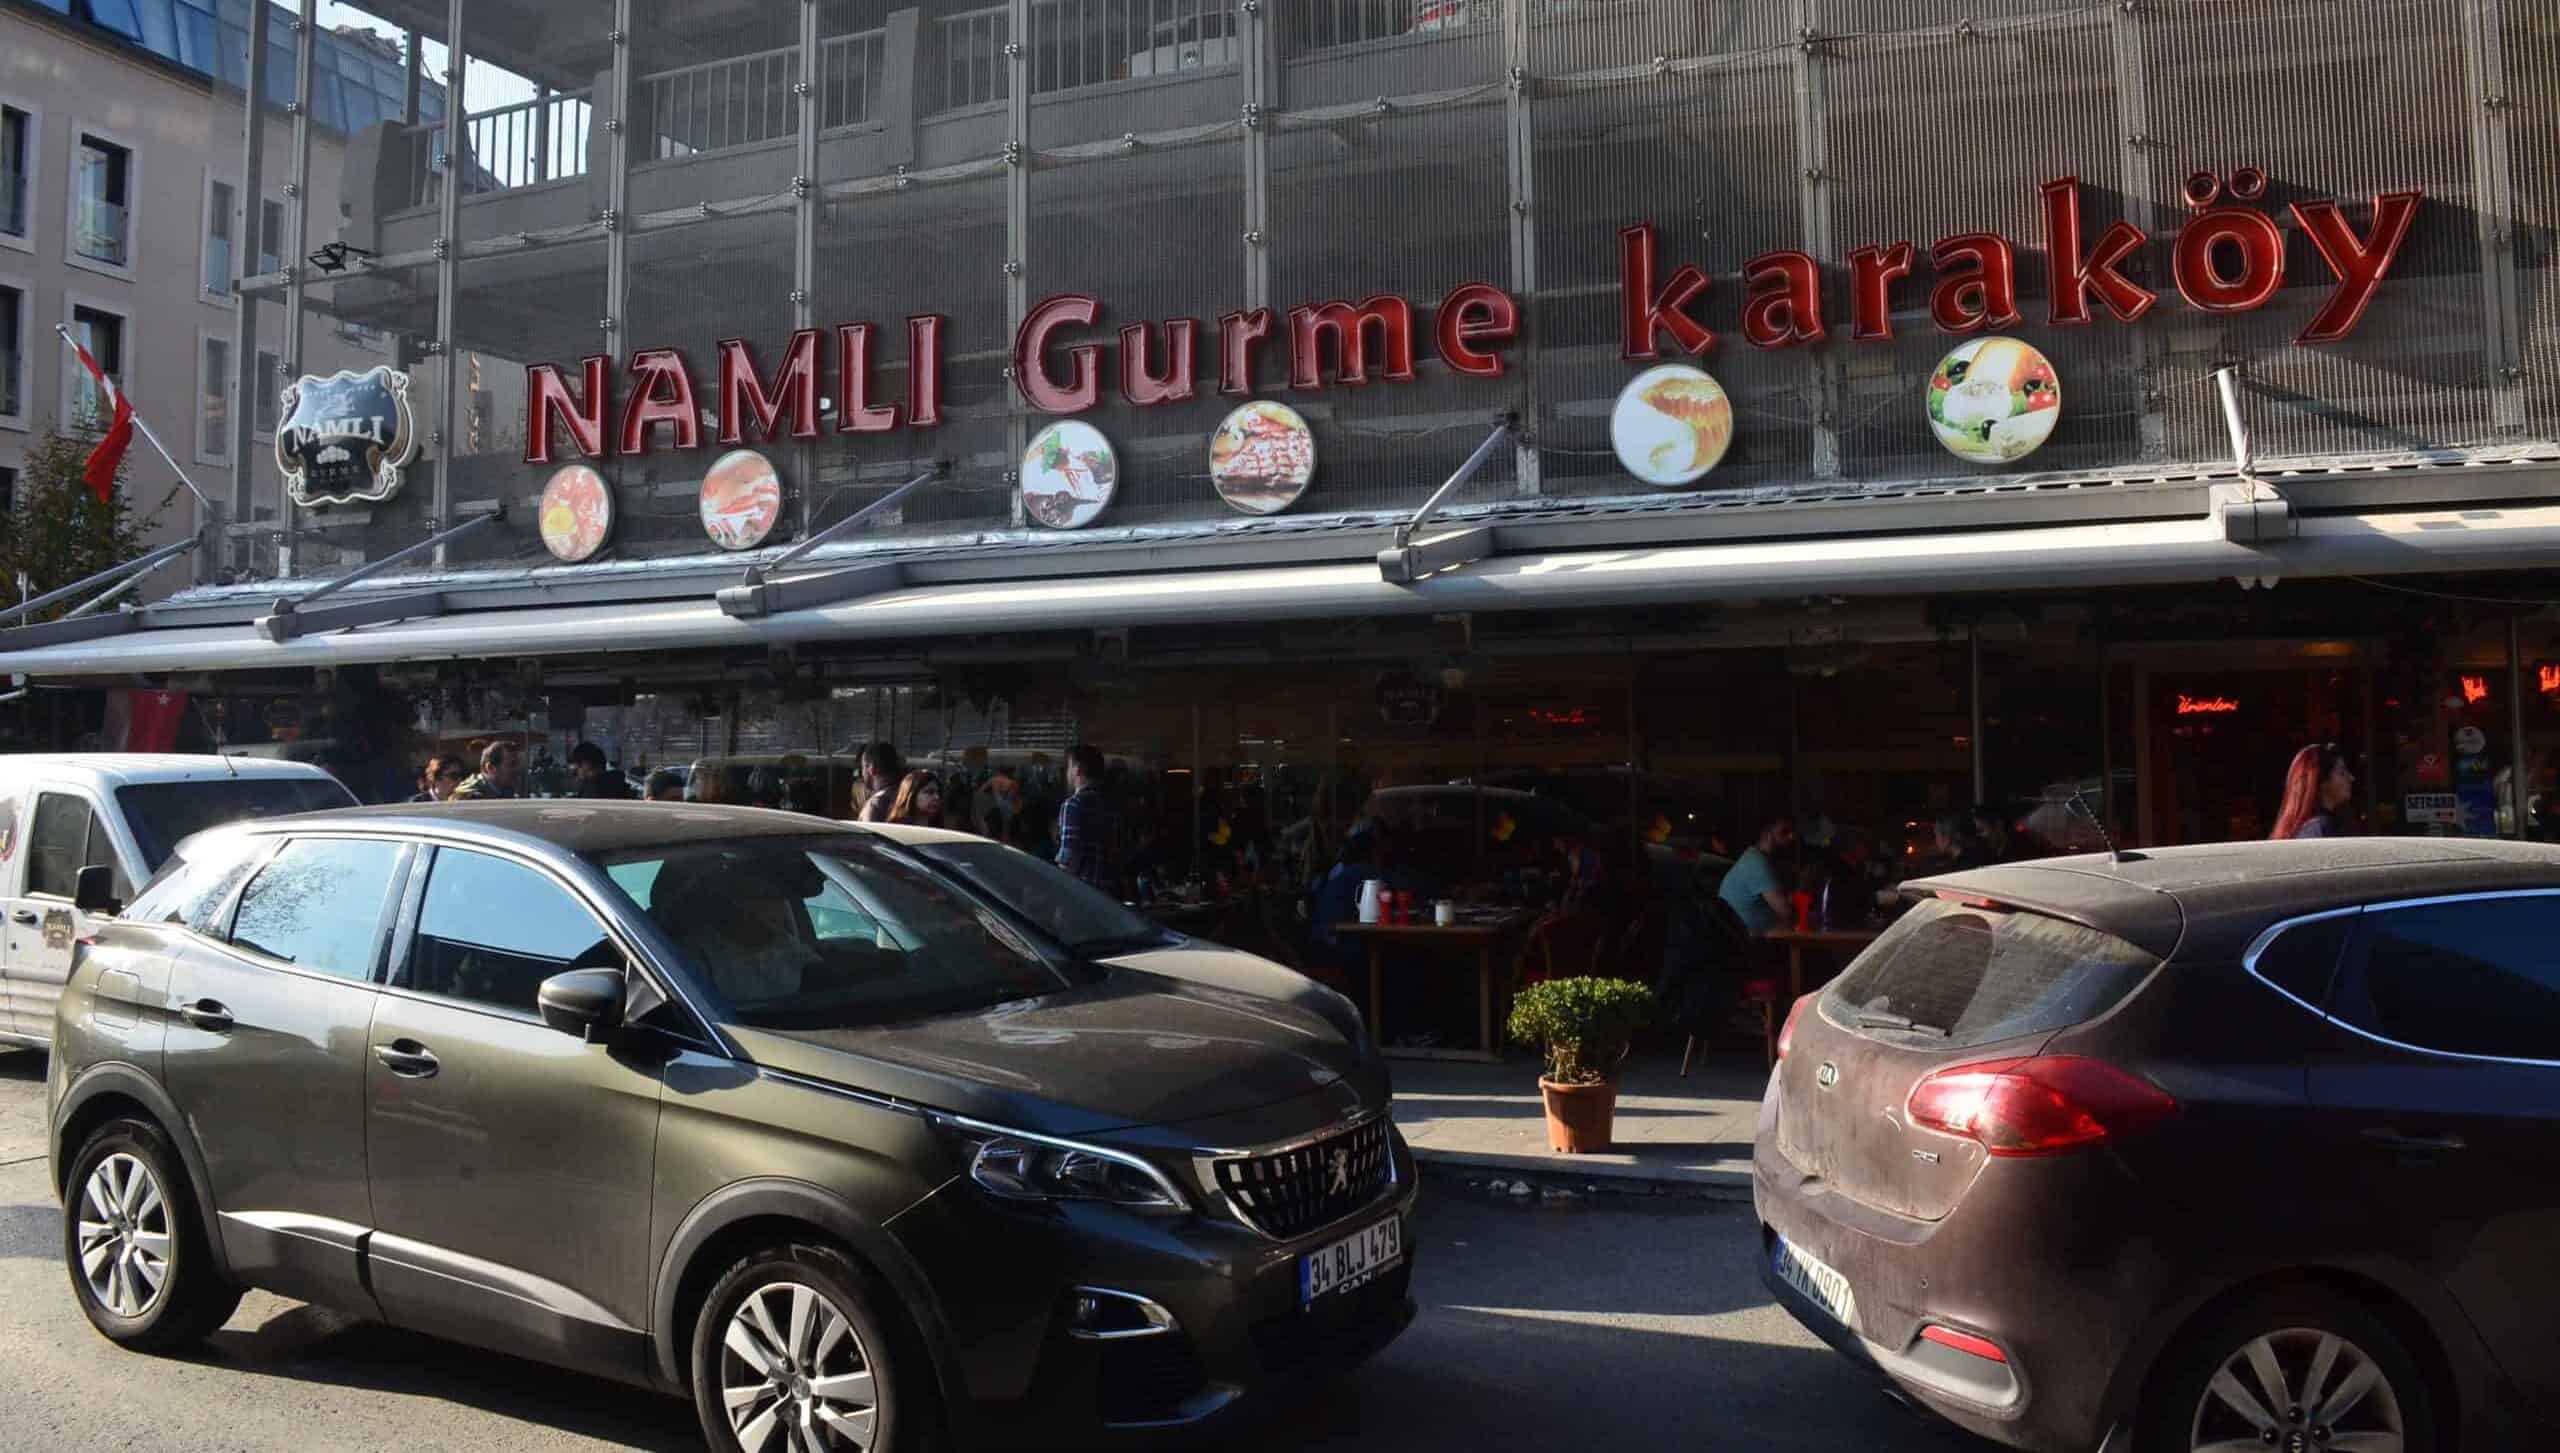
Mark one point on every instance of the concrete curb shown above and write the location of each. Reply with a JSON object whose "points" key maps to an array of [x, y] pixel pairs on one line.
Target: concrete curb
{"points": [[1577, 1172]]}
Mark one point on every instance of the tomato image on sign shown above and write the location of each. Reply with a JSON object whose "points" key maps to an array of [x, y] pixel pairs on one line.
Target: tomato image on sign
{"points": [[346, 438]]}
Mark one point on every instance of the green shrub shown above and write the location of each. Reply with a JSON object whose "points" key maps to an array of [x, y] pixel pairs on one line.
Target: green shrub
{"points": [[1581, 1025]]}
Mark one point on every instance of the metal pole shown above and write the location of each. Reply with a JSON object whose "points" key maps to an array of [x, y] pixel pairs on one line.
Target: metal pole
{"points": [[1199, 781], [2515, 725], [1520, 150], [457, 169], [759, 573], [112, 573], [298, 198], [1973, 642], [410, 79], [244, 325], [1017, 231], [811, 95], [1502, 432]]}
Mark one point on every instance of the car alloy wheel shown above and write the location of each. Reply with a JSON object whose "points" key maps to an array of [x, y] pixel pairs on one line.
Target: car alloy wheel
{"points": [[125, 1235], [2299, 1390], [794, 1375]]}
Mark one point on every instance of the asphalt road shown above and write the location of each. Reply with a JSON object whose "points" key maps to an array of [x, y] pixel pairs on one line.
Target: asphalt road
{"points": [[1583, 1325]]}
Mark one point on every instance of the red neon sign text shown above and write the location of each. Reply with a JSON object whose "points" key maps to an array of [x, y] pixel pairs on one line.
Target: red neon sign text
{"points": [[2206, 705], [2475, 690]]}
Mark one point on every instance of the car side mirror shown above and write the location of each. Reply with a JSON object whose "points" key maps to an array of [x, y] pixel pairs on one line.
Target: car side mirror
{"points": [[586, 1003], [96, 891]]}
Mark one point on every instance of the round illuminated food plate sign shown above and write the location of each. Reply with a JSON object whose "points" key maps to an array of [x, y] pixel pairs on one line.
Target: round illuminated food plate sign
{"points": [[576, 514], [741, 500], [1994, 400], [1672, 424], [1068, 475], [1262, 458]]}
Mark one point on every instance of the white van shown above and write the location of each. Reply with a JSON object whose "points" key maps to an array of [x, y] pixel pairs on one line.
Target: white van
{"points": [[128, 811]]}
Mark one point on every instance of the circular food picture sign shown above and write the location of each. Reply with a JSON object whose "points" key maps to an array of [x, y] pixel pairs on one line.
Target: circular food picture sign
{"points": [[1672, 424], [1262, 457], [1994, 400], [576, 514], [741, 500], [1068, 475]]}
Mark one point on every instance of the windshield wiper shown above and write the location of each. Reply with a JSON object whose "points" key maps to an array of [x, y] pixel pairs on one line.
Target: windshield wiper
{"points": [[1881, 1019]]}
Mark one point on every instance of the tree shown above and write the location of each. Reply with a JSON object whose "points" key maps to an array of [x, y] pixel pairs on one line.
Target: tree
{"points": [[60, 532]]}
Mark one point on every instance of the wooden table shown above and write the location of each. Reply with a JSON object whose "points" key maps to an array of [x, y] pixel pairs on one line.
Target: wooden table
{"points": [[1484, 935], [1798, 940]]}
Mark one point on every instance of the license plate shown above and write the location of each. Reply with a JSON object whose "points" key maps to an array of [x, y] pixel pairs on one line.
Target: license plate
{"points": [[1826, 1288], [1352, 1261]]}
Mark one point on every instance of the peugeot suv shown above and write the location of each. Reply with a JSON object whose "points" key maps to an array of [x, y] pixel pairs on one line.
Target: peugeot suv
{"points": [[2254, 1146], [758, 1109]]}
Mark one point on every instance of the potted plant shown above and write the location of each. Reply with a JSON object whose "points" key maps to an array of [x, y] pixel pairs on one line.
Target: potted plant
{"points": [[1582, 1027]]}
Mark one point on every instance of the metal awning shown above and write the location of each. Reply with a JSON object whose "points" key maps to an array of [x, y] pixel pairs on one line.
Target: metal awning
{"points": [[2154, 552]]}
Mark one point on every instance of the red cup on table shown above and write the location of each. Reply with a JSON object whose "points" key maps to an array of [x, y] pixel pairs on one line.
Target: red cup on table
{"points": [[1804, 913]]}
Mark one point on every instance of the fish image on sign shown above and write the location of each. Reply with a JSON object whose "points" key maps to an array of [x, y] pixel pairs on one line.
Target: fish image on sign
{"points": [[1671, 425], [1262, 458], [1994, 400], [1068, 475], [345, 438], [741, 500], [576, 514]]}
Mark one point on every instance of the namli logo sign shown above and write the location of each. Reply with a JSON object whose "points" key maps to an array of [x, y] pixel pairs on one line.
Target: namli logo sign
{"points": [[346, 438]]}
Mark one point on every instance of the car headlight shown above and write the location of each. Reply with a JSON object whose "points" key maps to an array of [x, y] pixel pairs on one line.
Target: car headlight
{"points": [[1019, 1166]]}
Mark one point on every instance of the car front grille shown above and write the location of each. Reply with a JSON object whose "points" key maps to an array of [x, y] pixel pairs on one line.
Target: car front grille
{"points": [[1287, 1193]]}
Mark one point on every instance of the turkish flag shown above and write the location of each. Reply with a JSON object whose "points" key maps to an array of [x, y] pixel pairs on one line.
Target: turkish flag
{"points": [[140, 720], [100, 472]]}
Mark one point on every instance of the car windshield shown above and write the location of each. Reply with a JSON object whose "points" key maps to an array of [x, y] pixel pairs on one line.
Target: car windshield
{"points": [[1082, 920], [827, 932], [165, 814]]}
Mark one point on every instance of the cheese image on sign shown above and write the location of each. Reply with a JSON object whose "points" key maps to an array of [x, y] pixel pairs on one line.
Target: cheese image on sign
{"points": [[741, 500], [1994, 401], [1671, 425], [1068, 475], [346, 438], [1262, 458]]}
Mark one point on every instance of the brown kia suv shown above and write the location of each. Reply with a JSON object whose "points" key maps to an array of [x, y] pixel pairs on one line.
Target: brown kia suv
{"points": [[769, 1111], [2206, 1149]]}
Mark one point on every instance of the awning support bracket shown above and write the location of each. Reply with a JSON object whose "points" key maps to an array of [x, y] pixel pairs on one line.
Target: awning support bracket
{"points": [[2253, 512], [762, 594], [1405, 562], [82, 624], [297, 616]]}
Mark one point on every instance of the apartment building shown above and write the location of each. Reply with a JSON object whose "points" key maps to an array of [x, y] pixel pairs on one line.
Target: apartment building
{"points": [[123, 215]]}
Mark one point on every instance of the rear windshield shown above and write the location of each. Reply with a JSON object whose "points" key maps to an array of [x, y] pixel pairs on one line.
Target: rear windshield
{"points": [[165, 814], [1952, 976]]}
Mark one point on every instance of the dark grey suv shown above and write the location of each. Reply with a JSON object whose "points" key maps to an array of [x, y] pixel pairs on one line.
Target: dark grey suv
{"points": [[740, 1104]]}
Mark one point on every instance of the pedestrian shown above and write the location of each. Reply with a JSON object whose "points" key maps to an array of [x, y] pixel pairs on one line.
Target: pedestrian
{"points": [[2316, 787], [436, 782], [501, 772], [998, 808], [1959, 846], [764, 788], [595, 779], [1088, 830], [881, 767], [666, 785], [1754, 888], [919, 801]]}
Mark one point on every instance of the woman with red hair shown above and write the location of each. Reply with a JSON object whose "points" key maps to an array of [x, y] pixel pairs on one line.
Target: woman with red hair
{"points": [[2315, 787]]}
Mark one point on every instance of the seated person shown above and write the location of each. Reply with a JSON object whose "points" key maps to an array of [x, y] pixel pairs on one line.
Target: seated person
{"points": [[1753, 887], [745, 933]]}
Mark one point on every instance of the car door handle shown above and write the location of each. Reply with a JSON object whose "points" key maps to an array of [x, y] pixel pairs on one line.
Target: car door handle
{"points": [[22, 915], [2402, 1140], [207, 1015], [406, 1058]]}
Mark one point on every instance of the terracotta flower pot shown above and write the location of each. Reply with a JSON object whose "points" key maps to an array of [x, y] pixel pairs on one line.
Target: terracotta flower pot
{"points": [[1578, 1116]]}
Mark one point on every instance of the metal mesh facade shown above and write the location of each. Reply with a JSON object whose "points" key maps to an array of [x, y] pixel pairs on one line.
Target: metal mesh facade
{"points": [[747, 172]]}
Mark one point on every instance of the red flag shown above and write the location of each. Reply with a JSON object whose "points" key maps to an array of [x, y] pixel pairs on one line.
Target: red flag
{"points": [[100, 472]]}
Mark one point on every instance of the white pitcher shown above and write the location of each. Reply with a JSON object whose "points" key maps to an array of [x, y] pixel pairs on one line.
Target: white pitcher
{"points": [[1371, 910]]}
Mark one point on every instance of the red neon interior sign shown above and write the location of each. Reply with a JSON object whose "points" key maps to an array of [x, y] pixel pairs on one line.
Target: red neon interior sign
{"points": [[2206, 705], [2475, 690], [2550, 680]]}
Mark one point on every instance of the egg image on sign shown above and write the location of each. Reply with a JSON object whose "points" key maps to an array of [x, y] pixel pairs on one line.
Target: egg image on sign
{"points": [[1671, 425], [1994, 400]]}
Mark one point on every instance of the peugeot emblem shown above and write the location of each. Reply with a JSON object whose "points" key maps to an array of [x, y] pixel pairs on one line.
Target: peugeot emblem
{"points": [[1341, 1183], [1827, 1076]]}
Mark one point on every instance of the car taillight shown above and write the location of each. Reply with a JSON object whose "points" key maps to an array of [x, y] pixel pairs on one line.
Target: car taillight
{"points": [[2037, 1106], [1786, 1035]]}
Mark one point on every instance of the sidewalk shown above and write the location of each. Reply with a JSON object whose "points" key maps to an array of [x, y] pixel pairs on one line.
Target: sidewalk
{"points": [[1691, 1135]]}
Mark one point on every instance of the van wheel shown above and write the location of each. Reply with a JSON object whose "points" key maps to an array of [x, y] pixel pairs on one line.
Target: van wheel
{"points": [[789, 1354], [2302, 1370], [135, 1246]]}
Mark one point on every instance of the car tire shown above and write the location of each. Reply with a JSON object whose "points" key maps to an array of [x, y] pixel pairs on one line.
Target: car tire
{"points": [[134, 1245], [823, 1357], [2294, 1335]]}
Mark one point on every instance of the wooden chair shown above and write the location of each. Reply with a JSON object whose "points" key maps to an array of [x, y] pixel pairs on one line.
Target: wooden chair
{"points": [[1732, 949], [1562, 946]]}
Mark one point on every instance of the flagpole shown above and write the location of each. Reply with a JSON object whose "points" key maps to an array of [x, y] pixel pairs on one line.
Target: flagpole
{"points": [[161, 449]]}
